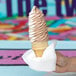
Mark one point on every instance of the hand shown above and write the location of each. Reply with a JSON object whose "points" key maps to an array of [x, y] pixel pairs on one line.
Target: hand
{"points": [[62, 63]]}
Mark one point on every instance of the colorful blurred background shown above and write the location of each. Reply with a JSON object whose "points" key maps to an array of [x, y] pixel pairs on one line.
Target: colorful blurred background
{"points": [[16, 27]]}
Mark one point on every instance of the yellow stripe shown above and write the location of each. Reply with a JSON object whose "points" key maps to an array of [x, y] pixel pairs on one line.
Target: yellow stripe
{"points": [[3, 26], [12, 38]]}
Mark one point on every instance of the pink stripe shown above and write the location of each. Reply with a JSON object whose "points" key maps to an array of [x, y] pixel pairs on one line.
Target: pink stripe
{"points": [[14, 21], [13, 54], [52, 18], [57, 37], [69, 53], [71, 32]]}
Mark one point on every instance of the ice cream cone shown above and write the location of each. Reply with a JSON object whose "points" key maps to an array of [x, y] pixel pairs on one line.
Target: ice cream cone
{"points": [[38, 31], [39, 48]]}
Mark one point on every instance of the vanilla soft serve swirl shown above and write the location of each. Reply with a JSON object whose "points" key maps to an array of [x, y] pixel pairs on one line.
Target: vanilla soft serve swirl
{"points": [[37, 26]]}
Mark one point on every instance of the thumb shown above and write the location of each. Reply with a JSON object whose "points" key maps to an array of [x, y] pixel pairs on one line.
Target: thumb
{"points": [[61, 59]]}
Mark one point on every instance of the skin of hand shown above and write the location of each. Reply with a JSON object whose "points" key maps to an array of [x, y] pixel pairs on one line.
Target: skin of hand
{"points": [[65, 64], [61, 63]]}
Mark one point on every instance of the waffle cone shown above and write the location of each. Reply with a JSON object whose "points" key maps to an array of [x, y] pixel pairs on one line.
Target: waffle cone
{"points": [[39, 48]]}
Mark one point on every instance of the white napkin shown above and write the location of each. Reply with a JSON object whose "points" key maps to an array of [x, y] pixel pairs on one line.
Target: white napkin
{"points": [[46, 63]]}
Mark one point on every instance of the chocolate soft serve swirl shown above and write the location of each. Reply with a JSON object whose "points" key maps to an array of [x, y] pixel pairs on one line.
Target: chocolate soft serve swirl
{"points": [[37, 26]]}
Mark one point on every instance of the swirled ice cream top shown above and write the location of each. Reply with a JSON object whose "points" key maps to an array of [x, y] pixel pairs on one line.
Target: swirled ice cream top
{"points": [[37, 26]]}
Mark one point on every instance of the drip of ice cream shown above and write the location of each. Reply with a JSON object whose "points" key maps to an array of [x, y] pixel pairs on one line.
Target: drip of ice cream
{"points": [[37, 26]]}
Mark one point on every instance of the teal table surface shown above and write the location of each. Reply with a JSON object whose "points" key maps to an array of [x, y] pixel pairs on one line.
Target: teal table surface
{"points": [[27, 44], [19, 71]]}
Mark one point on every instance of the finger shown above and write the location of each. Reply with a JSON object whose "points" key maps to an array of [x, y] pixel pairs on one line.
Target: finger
{"points": [[61, 60]]}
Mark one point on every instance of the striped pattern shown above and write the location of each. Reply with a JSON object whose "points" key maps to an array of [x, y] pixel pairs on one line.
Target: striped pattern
{"points": [[20, 32], [13, 57]]}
